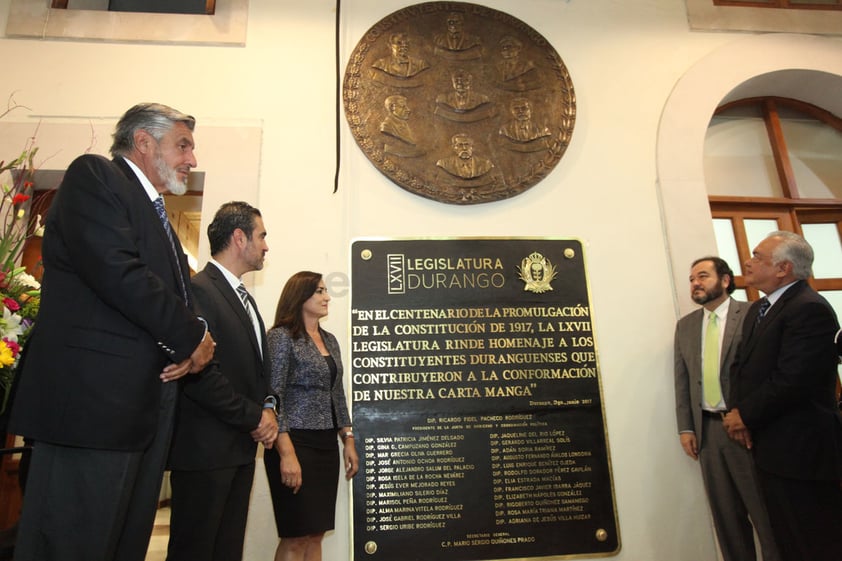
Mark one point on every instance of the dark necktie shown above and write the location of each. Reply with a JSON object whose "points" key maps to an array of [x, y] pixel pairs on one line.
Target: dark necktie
{"points": [[764, 307], [244, 297], [165, 222]]}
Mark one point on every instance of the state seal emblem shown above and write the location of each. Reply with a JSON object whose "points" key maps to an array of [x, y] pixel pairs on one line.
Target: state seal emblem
{"points": [[537, 272]]}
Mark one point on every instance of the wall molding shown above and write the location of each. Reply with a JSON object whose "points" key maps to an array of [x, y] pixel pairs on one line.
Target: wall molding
{"points": [[35, 19]]}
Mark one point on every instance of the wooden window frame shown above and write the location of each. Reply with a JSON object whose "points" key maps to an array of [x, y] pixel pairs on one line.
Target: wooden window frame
{"points": [[791, 210]]}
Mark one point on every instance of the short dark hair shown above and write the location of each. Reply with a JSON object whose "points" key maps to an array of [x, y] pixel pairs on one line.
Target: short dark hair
{"points": [[229, 217], [721, 268], [155, 118], [298, 289]]}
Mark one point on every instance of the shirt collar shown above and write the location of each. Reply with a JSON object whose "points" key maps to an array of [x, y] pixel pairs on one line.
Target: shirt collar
{"points": [[721, 311], [151, 192], [232, 279], [776, 295]]}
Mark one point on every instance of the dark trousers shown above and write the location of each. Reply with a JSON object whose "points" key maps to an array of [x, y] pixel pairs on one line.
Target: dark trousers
{"points": [[209, 512], [806, 517], [94, 505]]}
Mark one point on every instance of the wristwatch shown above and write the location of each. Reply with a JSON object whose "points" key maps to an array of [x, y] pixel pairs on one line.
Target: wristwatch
{"points": [[271, 402]]}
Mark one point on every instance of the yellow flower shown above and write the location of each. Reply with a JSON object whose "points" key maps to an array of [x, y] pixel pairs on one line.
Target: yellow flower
{"points": [[6, 358]]}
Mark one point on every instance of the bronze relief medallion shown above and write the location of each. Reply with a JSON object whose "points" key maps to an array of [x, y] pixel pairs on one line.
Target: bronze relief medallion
{"points": [[459, 103]]}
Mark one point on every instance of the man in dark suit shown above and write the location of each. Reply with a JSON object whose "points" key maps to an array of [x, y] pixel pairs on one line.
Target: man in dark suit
{"points": [[114, 330], [838, 339], [227, 408], [784, 406], [705, 343]]}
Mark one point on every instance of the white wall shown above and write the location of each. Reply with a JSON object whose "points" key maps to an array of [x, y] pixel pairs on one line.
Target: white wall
{"points": [[625, 58]]}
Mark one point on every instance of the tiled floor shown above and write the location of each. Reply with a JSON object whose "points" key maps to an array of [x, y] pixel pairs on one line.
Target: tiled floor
{"points": [[160, 536]]}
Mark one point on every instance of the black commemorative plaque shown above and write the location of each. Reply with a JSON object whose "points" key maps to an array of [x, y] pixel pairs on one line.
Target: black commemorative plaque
{"points": [[477, 402]]}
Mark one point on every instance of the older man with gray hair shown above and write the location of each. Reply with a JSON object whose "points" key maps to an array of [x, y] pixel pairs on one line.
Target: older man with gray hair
{"points": [[97, 391], [783, 403]]}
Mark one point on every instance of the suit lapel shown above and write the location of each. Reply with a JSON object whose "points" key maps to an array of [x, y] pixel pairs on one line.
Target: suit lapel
{"points": [[233, 300], [729, 348], [754, 329], [782, 302], [734, 313], [695, 341], [179, 266]]}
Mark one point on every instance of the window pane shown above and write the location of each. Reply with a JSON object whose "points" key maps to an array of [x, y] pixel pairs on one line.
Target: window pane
{"points": [[828, 251], [815, 151], [757, 230], [738, 159], [725, 243], [740, 293]]}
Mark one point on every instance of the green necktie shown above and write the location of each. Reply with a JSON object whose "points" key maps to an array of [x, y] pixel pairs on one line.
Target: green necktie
{"points": [[710, 363]]}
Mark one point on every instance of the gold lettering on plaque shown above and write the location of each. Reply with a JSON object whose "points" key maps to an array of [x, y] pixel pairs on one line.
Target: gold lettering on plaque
{"points": [[459, 103]]}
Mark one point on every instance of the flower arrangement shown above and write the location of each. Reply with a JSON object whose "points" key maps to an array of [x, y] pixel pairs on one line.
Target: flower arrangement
{"points": [[20, 292]]}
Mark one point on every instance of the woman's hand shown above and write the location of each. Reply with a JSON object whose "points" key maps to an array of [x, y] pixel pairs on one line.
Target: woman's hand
{"points": [[349, 455], [290, 468]]}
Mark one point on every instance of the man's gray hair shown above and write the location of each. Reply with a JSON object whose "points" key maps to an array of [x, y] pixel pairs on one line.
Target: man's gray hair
{"points": [[154, 118], [796, 250]]}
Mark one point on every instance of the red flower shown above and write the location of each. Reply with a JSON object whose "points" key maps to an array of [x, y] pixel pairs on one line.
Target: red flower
{"points": [[13, 346], [20, 198], [12, 304]]}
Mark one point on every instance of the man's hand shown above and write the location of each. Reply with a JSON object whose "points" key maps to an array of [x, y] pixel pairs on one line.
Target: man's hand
{"points": [[690, 445], [736, 428], [743, 437], [175, 371], [267, 430], [203, 354]]}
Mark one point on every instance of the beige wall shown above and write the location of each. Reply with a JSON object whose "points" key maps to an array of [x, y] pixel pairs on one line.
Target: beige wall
{"points": [[628, 59]]}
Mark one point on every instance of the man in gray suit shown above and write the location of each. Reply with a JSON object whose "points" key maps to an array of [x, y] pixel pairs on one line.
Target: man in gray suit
{"points": [[705, 343]]}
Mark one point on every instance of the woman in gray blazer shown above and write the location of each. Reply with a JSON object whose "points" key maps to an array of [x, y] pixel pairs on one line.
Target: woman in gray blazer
{"points": [[312, 412]]}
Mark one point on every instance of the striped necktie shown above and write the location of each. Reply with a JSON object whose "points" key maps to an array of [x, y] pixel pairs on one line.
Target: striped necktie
{"points": [[244, 297], [165, 222], [764, 307]]}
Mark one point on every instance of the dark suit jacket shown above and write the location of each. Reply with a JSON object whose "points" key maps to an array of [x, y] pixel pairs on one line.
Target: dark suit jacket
{"points": [[221, 405], [783, 383], [112, 315], [839, 343], [688, 364]]}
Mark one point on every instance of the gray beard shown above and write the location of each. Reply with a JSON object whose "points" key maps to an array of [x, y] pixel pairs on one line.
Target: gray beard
{"points": [[170, 177]]}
